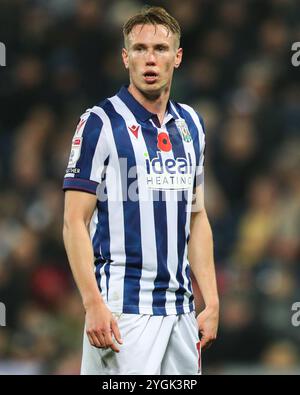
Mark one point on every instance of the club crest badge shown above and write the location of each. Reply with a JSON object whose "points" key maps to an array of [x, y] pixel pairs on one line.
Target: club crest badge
{"points": [[183, 129]]}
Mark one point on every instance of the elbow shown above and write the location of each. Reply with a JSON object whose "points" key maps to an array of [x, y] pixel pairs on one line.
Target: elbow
{"points": [[71, 222], [66, 227]]}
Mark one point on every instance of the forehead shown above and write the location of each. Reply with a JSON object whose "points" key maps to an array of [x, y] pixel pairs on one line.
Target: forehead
{"points": [[151, 34]]}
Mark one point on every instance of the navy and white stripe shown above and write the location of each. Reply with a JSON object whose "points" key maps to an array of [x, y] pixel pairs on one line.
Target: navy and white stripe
{"points": [[139, 233]]}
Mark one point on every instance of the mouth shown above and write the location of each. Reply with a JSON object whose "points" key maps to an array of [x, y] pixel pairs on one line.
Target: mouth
{"points": [[150, 77]]}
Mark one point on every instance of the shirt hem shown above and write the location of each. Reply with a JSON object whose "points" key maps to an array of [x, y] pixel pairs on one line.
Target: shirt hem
{"points": [[127, 309]]}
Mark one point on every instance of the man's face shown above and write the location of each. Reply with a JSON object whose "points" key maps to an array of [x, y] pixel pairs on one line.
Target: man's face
{"points": [[151, 55]]}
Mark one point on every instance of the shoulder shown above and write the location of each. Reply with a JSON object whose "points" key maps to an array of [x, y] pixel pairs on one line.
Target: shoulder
{"points": [[97, 112], [91, 123], [93, 117], [104, 110]]}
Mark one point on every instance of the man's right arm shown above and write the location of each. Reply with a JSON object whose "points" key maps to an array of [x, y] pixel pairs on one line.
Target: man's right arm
{"points": [[100, 323]]}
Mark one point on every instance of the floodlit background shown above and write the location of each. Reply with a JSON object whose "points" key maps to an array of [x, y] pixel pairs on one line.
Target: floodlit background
{"points": [[63, 56]]}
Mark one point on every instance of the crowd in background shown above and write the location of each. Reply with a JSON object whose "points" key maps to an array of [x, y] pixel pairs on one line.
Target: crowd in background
{"points": [[63, 56]]}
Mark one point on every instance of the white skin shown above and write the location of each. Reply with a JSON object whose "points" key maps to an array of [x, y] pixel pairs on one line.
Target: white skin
{"points": [[148, 49], [151, 48]]}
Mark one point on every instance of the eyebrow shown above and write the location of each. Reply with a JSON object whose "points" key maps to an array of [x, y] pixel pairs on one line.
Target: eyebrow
{"points": [[143, 45]]}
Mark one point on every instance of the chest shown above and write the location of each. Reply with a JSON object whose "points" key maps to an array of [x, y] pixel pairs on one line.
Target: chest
{"points": [[163, 158]]}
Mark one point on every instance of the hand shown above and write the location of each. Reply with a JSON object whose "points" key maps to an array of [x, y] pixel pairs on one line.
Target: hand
{"points": [[208, 321], [100, 326]]}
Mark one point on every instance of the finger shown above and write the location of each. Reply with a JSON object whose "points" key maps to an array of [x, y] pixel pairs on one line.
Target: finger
{"points": [[100, 338], [96, 342], [114, 347], [110, 343], [91, 340], [116, 332], [206, 342]]}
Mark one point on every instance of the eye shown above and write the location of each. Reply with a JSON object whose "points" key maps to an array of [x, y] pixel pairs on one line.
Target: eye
{"points": [[138, 49]]}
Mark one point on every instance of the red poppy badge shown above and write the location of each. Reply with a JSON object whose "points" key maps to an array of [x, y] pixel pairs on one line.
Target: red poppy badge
{"points": [[163, 142]]}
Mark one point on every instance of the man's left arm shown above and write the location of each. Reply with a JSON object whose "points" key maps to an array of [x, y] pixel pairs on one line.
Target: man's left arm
{"points": [[200, 252]]}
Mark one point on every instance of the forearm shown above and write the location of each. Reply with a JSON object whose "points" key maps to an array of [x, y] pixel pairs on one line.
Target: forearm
{"points": [[200, 252], [81, 258]]}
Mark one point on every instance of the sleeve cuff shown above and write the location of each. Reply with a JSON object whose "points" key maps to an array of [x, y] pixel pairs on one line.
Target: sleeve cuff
{"points": [[199, 179], [80, 184]]}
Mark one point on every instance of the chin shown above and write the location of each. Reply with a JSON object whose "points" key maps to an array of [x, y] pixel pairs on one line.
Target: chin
{"points": [[153, 89]]}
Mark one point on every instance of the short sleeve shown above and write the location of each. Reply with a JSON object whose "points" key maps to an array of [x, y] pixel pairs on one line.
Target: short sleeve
{"points": [[89, 153], [199, 176]]}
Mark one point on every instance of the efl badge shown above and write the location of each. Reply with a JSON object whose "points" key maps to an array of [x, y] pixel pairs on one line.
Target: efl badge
{"points": [[183, 129], [75, 151]]}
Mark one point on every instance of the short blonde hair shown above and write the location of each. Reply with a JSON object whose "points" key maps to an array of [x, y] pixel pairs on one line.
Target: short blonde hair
{"points": [[152, 16]]}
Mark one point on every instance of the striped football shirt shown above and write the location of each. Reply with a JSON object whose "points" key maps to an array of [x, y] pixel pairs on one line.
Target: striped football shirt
{"points": [[143, 174]]}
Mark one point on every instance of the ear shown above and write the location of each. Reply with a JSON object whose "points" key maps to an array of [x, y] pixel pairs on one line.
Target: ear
{"points": [[125, 57], [178, 57]]}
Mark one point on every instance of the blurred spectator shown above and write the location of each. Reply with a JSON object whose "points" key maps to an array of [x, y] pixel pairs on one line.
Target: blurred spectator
{"points": [[258, 224], [281, 357]]}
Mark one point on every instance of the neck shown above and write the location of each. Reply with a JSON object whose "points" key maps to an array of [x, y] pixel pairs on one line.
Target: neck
{"points": [[156, 104]]}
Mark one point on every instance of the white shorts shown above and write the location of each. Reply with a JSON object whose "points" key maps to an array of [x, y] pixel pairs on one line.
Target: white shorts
{"points": [[151, 345]]}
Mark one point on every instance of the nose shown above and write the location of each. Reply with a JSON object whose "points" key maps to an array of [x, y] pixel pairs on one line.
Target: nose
{"points": [[150, 58]]}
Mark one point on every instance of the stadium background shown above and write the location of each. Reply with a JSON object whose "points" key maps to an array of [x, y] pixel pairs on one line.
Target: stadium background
{"points": [[63, 57]]}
